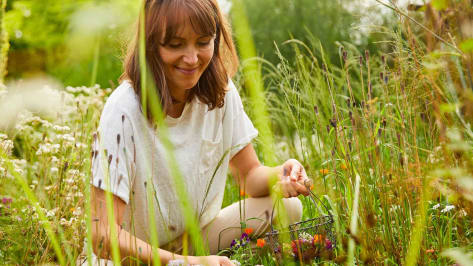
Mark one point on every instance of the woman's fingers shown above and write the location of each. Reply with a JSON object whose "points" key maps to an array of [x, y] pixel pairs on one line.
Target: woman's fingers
{"points": [[301, 189]]}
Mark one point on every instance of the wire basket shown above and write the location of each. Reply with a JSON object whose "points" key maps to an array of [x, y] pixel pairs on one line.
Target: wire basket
{"points": [[310, 239]]}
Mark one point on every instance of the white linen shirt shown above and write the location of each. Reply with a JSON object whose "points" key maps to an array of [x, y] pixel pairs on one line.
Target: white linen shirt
{"points": [[133, 150]]}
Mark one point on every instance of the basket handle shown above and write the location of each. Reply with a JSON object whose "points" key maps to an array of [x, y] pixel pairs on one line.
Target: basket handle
{"points": [[308, 183]]}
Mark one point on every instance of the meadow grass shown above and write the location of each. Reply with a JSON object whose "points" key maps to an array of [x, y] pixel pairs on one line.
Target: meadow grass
{"points": [[386, 139]]}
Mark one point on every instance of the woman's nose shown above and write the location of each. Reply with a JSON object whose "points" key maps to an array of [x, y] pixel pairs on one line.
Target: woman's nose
{"points": [[190, 56]]}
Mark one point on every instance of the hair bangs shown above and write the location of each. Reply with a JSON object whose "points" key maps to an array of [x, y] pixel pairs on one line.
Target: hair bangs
{"points": [[200, 15]]}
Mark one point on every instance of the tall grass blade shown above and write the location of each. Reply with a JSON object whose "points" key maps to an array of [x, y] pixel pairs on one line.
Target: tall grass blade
{"points": [[95, 65], [353, 222], [144, 103], [417, 232]]}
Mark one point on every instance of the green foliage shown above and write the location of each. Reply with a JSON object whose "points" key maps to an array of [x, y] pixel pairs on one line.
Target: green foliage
{"points": [[4, 44], [276, 21], [46, 38]]}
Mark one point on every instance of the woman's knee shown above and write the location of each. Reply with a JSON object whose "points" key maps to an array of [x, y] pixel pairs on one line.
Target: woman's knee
{"points": [[293, 208]]}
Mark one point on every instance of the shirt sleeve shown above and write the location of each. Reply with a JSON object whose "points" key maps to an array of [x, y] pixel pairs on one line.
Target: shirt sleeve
{"points": [[113, 153], [243, 129]]}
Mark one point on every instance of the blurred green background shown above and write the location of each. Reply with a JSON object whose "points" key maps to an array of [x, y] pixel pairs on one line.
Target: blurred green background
{"points": [[61, 38]]}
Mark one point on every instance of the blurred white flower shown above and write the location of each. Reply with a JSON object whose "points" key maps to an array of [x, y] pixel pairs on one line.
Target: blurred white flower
{"points": [[18, 34], [436, 206], [39, 95], [225, 6], [448, 208], [48, 148], [51, 213], [77, 211], [54, 170]]}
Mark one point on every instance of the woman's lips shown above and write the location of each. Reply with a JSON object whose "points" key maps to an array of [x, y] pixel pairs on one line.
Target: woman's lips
{"points": [[187, 71]]}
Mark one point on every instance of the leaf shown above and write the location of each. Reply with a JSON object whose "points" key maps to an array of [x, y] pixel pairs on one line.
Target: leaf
{"points": [[467, 46]]}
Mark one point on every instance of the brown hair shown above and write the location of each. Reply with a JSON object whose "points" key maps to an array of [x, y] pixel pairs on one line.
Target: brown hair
{"points": [[162, 20]]}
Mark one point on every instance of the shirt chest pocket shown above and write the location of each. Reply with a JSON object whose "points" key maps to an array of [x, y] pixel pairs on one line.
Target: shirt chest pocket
{"points": [[211, 151]]}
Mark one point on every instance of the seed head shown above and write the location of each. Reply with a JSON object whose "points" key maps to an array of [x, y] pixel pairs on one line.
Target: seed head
{"points": [[110, 157], [123, 118], [367, 55], [361, 60], [345, 56], [316, 110], [118, 139], [333, 122]]}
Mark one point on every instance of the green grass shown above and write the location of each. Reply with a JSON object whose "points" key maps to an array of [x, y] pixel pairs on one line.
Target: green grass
{"points": [[386, 138]]}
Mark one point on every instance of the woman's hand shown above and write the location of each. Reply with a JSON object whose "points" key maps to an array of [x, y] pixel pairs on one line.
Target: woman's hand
{"points": [[210, 261], [292, 179]]}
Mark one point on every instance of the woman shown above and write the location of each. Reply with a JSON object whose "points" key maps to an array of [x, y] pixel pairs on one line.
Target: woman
{"points": [[190, 54]]}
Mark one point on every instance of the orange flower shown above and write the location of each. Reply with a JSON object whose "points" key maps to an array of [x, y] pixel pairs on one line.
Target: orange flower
{"points": [[242, 193], [260, 242], [344, 166], [324, 171], [248, 230], [430, 251], [318, 239]]}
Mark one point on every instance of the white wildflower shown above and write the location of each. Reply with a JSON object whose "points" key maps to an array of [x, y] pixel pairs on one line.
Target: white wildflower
{"points": [[436, 206], [78, 194], [54, 170], [73, 172], [305, 236], [69, 181], [447, 208], [64, 222], [54, 159], [35, 182], [77, 211], [80, 145]]}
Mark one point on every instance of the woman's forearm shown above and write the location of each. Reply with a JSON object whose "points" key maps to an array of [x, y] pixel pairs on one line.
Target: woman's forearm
{"points": [[129, 246], [257, 181]]}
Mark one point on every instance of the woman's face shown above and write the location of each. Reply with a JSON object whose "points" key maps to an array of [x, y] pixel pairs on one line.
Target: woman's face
{"points": [[185, 58]]}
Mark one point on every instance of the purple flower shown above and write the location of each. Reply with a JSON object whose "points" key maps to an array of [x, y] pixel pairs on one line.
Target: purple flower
{"points": [[328, 244], [233, 244], [244, 239], [6, 201]]}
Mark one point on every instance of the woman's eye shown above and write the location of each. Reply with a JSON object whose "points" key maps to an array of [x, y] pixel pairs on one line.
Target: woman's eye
{"points": [[204, 43], [174, 45]]}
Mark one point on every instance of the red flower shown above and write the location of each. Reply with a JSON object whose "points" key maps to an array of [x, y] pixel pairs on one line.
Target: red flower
{"points": [[248, 230], [260, 242]]}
